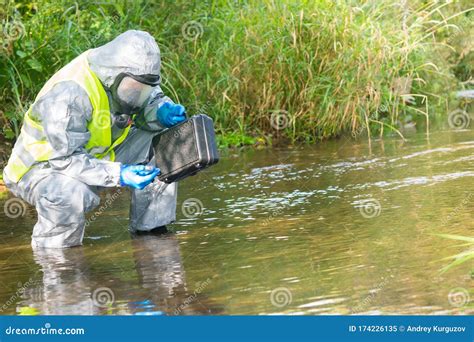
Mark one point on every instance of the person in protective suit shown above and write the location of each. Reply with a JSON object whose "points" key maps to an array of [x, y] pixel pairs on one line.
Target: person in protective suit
{"points": [[78, 137]]}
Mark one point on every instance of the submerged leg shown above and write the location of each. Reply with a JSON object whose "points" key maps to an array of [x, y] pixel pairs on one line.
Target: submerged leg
{"points": [[154, 206], [61, 203]]}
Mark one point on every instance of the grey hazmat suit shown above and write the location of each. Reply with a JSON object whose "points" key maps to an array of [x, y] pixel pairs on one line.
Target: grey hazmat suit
{"points": [[65, 187]]}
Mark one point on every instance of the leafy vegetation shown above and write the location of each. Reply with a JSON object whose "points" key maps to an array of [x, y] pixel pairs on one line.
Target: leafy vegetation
{"points": [[264, 70], [462, 257]]}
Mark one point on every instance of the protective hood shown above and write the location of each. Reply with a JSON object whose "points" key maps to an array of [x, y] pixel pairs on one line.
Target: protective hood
{"points": [[134, 52]]}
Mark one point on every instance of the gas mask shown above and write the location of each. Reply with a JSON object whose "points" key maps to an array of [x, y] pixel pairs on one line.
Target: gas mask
{"points": [[131, 93]]}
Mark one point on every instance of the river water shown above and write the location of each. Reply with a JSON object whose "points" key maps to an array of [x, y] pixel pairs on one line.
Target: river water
{"points": [[342, 227]]}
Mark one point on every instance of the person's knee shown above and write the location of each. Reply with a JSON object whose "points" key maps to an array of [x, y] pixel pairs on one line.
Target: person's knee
{"points": [[84, 198], [68, 196], [61, 207]]}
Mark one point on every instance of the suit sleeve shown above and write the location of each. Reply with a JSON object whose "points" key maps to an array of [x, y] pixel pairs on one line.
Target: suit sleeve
{"points": [[65, 112], [148, 120]]}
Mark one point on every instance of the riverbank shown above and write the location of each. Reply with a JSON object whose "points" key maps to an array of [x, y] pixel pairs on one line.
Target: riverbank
{"points": [[285, 71]]}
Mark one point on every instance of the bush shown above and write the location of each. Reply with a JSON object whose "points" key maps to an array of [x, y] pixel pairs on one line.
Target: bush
{"points": [[289, 70]]}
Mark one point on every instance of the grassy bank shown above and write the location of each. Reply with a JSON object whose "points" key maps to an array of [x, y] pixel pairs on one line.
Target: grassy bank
{"points": [[264, 70]]}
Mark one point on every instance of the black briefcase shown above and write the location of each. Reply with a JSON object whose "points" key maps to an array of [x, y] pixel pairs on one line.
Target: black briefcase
{"points": [[185, 149]]}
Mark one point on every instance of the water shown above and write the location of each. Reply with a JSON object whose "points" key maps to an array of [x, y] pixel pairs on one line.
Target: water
{"points": [[343, 227]]}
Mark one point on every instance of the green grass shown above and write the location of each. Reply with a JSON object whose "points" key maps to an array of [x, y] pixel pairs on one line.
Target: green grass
{"points": [[324, 68], [462, 257]]}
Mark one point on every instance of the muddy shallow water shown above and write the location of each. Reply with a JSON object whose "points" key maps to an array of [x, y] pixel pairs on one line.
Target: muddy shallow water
{"points": [[337, 228]]}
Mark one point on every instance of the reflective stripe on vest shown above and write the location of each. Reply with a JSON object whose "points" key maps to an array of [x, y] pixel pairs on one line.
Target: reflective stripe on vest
{"points": [[32, 145]]}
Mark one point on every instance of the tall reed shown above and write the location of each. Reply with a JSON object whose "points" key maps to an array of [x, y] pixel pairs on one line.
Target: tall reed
{"points": [[296, 71]]}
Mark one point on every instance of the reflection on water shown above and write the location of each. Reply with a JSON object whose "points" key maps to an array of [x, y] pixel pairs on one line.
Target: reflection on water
{"points": [[151, 282], [337, 228]]}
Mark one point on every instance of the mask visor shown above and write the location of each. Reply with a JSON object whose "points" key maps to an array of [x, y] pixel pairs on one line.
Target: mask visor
{"points": [[133, 93]]}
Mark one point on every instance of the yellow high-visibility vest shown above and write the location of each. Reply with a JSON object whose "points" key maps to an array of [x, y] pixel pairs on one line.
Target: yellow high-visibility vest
{"points": [[32, 145]]}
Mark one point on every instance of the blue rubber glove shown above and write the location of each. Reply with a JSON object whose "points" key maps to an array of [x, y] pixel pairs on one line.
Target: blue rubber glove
{"points": [[137, 176], [170, 114]]}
